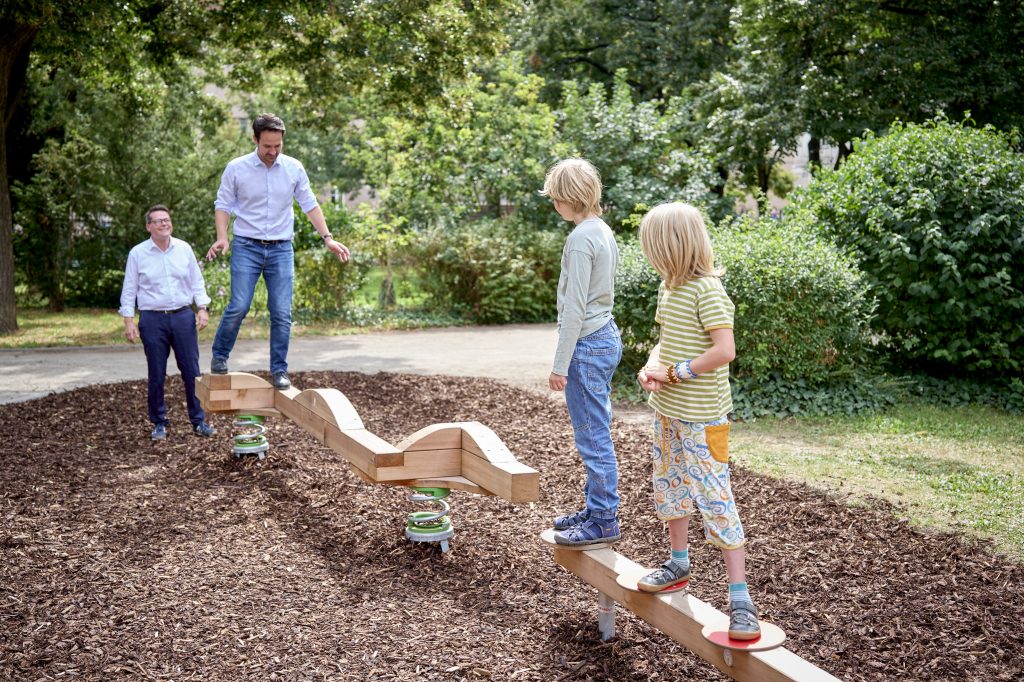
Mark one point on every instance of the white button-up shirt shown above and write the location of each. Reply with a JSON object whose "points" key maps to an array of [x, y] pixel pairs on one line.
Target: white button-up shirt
{"points": [[261, 197], [162, 280]]}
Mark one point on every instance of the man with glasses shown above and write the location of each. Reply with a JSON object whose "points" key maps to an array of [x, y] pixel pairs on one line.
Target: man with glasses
{"points": [[163, 276], [259, 189]]}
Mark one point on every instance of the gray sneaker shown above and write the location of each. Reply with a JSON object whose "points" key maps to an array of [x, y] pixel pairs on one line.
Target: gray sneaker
{"points": [[279, 380], [670, 574], [159, 432], [743, 623], [219, 366]]}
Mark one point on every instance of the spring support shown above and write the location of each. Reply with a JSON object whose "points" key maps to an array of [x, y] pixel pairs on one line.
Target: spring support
{"points": [[253, 443], [430, 526]]}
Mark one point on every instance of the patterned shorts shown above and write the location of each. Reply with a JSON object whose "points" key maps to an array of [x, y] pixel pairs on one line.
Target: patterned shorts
{"points": [[691, 466]]}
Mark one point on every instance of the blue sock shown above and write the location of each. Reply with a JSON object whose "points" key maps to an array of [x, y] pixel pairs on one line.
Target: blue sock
{"points": [[681, 556], [739, 592]]}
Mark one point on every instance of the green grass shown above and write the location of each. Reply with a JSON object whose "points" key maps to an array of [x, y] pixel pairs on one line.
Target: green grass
{"points": [[957, 469]]}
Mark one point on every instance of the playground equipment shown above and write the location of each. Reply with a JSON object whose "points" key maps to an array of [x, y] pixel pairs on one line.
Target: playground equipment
{"points": [[427, 526], [253, 443], [691, 622], [464, 456]]}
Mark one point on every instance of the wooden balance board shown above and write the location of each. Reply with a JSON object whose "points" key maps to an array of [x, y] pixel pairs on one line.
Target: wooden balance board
{"points": [[548, 536], [629, 580]]}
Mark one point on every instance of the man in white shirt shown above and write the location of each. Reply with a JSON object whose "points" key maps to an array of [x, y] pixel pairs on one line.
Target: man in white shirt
{"points": [[259, 189], [163, 276]]}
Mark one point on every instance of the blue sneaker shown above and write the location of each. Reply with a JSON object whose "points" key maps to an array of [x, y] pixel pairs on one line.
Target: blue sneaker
{"points": [[593, 533], [671, 574], [203, 429], [569, 520], [159, 432]]}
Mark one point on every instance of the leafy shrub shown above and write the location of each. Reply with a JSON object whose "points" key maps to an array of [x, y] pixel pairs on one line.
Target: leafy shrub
{"points": [[93, 288], [324, 287], [801, 307], [492, 271], [934, 213]]}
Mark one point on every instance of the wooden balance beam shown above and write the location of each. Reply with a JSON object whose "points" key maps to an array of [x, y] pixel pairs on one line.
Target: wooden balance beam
{"points": [[461, 456], [681, 616]]}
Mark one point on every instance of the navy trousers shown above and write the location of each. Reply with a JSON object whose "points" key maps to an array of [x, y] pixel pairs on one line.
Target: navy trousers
{"points": [[160, 333]]}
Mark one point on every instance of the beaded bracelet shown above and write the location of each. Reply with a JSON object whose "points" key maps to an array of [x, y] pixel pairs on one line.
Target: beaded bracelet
{"points": [[689, 369], [673, 378]]}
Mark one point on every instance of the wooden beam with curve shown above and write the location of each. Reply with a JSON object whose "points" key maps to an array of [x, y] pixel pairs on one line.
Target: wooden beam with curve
{"points": [[459, 455], [681, 616]]}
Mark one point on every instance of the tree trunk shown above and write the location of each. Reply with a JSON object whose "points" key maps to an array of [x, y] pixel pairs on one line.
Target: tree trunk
{"points": [[814, 153], [15, 43]]}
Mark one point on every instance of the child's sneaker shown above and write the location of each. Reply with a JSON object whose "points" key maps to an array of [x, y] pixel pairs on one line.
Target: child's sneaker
{"points": [[743, 620], [671, 573], [569, 520], [593, 531]]}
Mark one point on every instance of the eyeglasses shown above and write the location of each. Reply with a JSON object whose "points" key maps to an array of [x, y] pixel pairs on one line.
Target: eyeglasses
{"points": [[162, 221]]}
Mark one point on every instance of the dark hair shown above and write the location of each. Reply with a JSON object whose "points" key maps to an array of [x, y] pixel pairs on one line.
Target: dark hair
{"points": [[157, 207], [267, 122]]}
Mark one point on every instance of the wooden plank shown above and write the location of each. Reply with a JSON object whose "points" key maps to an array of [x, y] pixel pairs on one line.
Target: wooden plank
{"points": [[332, 405], [284, 402], [450, 482], [513, 481], [362, 449], [233, 380], [242, 398], [425, 464], [681, 616], [485, 443], [434, 437]]}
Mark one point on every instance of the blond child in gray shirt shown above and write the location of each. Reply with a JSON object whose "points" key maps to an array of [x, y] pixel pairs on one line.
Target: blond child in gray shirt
{"points": [[589, 349]]}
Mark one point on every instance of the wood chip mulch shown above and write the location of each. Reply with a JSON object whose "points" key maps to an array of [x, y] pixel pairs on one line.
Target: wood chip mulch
{"points": [[125, 560]]}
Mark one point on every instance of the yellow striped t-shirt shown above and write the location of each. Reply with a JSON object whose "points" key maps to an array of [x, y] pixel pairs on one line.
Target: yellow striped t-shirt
{"points": [[686, 315]]}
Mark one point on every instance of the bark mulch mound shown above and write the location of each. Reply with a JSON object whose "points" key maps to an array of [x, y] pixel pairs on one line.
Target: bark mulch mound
{"points": [[120, 559]]}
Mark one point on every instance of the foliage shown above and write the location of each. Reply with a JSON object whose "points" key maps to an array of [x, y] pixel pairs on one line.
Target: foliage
{"points": [[846, 66], [802, 309], [773, 396], [636, 302], [1006, 395], [639, 150], [663, 45], [483, 150], [933, 214], [324, 286], [83, 207], [492, 271]]}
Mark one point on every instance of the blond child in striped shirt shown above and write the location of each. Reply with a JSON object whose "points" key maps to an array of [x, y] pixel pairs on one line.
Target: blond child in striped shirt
{"points": [[687, 376]]}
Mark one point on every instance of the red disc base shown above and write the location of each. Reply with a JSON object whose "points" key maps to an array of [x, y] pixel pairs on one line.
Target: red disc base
{"points": [[718, 634]]}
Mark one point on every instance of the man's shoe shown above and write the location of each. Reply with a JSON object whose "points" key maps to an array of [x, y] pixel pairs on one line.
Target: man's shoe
{"points": [[203, 429], [743, 623], [159, 432], [280, 381], [219, 366]]}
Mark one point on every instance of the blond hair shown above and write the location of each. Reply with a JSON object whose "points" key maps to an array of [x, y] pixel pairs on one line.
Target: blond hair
{"points": [[675, 241], [576, 182]]}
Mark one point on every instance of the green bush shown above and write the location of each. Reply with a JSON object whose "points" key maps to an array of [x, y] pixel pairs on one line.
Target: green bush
{"points": [[934, 214], [801, 308], [325, 287], [93, 288], [492, 271]]}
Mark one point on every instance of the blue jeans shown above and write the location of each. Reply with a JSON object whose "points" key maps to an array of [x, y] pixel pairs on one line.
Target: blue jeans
{"points": [[160, 333], [588, 397], [249, 260]]}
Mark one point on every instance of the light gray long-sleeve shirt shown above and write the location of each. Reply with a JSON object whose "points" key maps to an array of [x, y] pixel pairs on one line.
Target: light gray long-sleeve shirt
{"points": [[586, 287]]}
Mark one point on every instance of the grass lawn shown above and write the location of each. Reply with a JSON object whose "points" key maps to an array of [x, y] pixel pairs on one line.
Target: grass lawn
{"points": [[959, 469]]}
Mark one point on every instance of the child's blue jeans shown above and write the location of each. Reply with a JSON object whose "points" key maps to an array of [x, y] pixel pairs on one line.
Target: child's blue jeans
{"points": [[588, 397]]}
